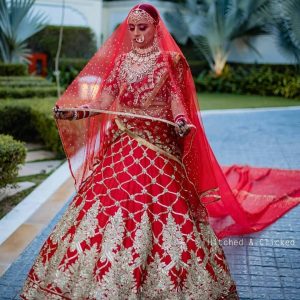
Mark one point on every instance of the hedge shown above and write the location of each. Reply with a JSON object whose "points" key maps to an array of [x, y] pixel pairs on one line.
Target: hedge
{"points": [[18, 122], [21, 79], [79, 42], [9, 82], [26, 92], [12, 154], [31, 124], [265, 80], [69, 69], [13, 69]]}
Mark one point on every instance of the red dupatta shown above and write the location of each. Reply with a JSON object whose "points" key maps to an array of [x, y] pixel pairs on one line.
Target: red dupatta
{"points": [[238, 202]]}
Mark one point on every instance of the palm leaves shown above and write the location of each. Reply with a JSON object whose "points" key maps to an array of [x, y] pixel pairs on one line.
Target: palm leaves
{"points": [[214, 25], [17, 23], [285, 16]]}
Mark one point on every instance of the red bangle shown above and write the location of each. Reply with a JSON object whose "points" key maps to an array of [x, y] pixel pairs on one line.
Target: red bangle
{"points": [[179, 118], [80, 114]]}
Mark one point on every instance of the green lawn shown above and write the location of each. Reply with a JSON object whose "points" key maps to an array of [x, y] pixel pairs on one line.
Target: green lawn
{"points": [[225, 101], [206, 100]]}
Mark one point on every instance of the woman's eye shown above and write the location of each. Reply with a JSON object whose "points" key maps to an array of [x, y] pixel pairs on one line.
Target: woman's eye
{"points": [[142, 28], [131, 28]]}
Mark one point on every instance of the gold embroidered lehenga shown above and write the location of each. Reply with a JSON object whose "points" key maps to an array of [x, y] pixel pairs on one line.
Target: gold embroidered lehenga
{"points": [[129, 233], [133, 230]]}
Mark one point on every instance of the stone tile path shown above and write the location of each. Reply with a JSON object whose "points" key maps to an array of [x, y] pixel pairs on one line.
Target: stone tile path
{"points": [[39, 155], [11, 190], [265, 265], [33, 166], [41, 167]]}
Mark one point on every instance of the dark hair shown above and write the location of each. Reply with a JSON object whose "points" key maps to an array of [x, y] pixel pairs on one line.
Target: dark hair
{"points": [[151, 10]]}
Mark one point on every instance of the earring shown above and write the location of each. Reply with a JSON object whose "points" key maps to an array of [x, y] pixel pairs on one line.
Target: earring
{"points": [[155, 40]]}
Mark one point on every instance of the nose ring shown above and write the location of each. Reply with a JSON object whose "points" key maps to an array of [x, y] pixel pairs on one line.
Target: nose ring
{"points": [[140, 39]]}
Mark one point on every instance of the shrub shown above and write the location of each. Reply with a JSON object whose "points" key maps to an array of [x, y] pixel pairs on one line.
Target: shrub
{"points": [[12, 154], [69, 69], [27, 92], [13, 69], [47, 131], [197, 66], [265, 80], [83, 46], [30, 123], [24, 81], [21, 79], [17, 121]]}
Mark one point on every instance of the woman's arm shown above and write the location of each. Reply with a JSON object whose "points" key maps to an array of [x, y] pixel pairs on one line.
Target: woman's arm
{"points": [[103, 103], [179, 112], [109, 93]]}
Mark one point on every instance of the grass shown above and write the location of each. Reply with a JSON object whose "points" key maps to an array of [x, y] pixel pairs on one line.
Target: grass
{"points": [[44, 105], [225, 101], [207, 101], [8, 203]]}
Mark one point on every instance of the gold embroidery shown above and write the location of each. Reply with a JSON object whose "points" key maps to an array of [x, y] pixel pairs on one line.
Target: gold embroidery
{"points": [[136, 66], [143, 241], [105, 266], [173, 243], [146, 143], [111, 240], [151, 243]]}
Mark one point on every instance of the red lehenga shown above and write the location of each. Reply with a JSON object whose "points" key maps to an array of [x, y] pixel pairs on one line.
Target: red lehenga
{"points": [[150, 205]]}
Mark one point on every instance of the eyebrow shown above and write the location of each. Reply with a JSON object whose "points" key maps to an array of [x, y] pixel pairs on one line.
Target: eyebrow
{"points": [[144, 24]]}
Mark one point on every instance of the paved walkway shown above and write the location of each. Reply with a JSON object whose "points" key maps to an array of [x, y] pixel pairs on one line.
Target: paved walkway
{"points": [[263, 265]]}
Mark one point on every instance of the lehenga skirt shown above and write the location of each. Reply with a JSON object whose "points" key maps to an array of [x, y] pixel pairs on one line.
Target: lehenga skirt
{"points": [[129, 234]]}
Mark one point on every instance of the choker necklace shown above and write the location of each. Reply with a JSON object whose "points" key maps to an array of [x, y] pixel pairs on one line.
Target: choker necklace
{"points": [[145, 51]]}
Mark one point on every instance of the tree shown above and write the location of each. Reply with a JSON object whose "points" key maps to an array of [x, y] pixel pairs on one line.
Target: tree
{"points": [[18, 22], [214, 25], [285, 16]]}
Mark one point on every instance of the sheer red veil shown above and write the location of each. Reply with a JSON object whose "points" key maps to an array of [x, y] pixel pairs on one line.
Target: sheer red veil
{"points": [[236, 202]]}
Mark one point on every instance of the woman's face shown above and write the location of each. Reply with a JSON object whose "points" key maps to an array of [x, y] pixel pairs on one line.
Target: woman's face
{"points": [[142, 34]]}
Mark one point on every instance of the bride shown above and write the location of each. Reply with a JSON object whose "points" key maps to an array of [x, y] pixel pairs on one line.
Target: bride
{"points": [[151, 199]]}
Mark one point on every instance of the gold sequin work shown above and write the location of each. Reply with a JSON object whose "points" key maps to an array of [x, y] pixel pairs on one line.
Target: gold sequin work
{"points": [[120, 239]]}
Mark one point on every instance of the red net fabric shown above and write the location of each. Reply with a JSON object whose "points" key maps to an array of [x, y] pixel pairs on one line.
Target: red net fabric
{"points": [[104, 86]]}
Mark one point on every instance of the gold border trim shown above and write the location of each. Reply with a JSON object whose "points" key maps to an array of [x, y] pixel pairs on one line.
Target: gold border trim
{"points": [[208, 194], [122, 127]]}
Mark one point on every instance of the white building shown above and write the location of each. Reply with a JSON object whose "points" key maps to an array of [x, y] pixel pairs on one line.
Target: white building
{"points": [[103, 17]]}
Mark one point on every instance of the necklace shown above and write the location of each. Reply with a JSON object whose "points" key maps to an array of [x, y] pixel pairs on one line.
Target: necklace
{"points": [[139, 63], [145, 51]]}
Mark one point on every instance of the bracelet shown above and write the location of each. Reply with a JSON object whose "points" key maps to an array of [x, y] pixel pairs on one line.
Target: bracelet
{"points": [[86, 114], [179, 118], [75, 116]]}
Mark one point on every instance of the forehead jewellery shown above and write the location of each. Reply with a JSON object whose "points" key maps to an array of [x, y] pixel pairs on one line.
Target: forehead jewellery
{"points": [[138, 15]]}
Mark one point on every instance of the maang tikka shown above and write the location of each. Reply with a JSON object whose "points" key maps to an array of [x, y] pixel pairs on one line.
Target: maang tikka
{"points": [[137, 15]]}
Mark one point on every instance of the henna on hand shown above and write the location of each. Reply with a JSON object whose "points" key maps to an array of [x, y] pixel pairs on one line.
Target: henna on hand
{"points": [[182, 128]]}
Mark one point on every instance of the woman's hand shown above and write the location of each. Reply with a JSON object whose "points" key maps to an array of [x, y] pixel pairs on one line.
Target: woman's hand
{"points": [[182, 128], [63, 115]]}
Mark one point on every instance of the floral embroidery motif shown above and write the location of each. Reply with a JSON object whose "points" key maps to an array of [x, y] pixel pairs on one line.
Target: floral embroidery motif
{"points": [[173, 243]]}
